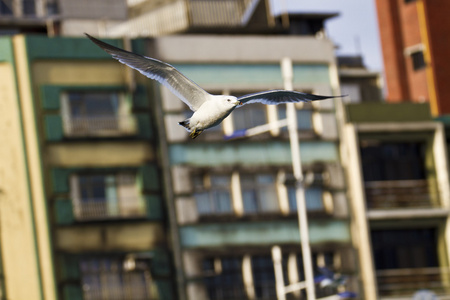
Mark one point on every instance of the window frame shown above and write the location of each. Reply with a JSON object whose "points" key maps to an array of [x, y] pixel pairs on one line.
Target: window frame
{"points": [[258, 191], [207, 187], [114, 205], [120, 122]]}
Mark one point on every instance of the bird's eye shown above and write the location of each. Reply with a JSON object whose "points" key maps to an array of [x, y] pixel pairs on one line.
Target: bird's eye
{"points": [[228, 100]]}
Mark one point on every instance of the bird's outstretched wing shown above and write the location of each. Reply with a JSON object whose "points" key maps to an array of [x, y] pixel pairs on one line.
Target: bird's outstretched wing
{"points": [[185, 89], [275, 97]]}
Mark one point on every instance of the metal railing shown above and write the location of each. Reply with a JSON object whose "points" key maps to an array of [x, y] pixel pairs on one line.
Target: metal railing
{"points": [[167, 17], [404, 282], [399, 194], [100, 125], [229, 13], [116, 285], [102, 209]]}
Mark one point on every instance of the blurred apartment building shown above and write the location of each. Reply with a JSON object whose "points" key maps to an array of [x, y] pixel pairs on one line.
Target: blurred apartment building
{"points": [[105, 196], [60, 17], [83, 207], [404, 144]]}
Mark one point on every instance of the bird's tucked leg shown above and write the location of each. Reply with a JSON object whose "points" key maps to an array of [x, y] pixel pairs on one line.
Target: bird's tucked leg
{"points": [[195, 133]]}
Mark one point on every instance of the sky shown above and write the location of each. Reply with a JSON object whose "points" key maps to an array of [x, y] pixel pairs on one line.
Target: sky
{"points": [[354, 31]]}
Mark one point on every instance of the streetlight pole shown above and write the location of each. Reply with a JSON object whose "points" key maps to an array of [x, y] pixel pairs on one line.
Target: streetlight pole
{"points": [[287, 73]]}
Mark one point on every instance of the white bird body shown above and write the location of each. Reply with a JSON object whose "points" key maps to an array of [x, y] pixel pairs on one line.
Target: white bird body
{"points": [[209, 110], [211, 113]]}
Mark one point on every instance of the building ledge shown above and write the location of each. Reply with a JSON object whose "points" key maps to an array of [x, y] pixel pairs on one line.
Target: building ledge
{"points": [[407, 213], [387, 112]]}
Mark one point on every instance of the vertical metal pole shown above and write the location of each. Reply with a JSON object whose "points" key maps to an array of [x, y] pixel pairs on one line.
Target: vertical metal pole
{"points": [[287, 72], [278, 267]]}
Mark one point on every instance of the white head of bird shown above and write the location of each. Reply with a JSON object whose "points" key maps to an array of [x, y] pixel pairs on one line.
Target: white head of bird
{"points": [[227, 101]]}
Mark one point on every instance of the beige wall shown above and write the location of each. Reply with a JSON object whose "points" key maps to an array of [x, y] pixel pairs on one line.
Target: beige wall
{"points": [[17, 236]]}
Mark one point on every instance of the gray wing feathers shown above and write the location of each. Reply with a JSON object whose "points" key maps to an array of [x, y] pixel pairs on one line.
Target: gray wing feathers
{"points": [[185, 89], [275, 97]]}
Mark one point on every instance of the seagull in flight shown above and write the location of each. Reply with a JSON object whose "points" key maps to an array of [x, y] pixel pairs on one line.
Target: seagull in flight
{"points": [[209, 110]]}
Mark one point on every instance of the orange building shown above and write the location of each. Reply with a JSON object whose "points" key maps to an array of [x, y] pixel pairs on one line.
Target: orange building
{"points": [[415, 48]]}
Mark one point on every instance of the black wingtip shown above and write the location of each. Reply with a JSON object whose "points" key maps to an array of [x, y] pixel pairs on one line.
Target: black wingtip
{"points": [[110, 49], [313, 97], [89, 36]]}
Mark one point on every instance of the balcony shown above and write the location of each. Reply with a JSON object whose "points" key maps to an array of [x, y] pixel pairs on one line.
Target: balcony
{"points": [[108, 125], [405, 282], [153, 18], [101, 209], [399, 194]]}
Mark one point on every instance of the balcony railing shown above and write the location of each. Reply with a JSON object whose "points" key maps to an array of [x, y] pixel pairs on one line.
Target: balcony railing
{"points": [[166, 17], [227, 13], [116, 285], [99, 125], [102, 209], [399, 194], [404, 282]]}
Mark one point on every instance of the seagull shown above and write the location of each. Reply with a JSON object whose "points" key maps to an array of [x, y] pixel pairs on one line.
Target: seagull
{"points": [[209, 110]]}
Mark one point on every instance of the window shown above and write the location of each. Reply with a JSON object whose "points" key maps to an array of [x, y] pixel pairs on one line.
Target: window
{"points": [[405, 248], [259, 193], [213, 194], [393, 160], [263, 277], [406, 259], [223, 278], [304, 117], [103, 196], [105, 278], [313, 199], [395, 175], [249, 116], [29, 7], [96, 113], [418, 60], [6, 8], [52, 7]]}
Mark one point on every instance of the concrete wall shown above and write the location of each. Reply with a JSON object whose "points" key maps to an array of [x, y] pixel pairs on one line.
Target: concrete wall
{"points": [[242, 49], [24, 232]]}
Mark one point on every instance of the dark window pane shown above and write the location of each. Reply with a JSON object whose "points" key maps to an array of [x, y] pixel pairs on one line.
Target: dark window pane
{"points": [[313, 198], [418, 60], [29, 7], [259, 193], [405, 248], [6, 8], [92, 187], [213, 196], [263, 277], [93, 104], [223, 278], [96, 113], [393, 161], [101, 196], [52, 8]]}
